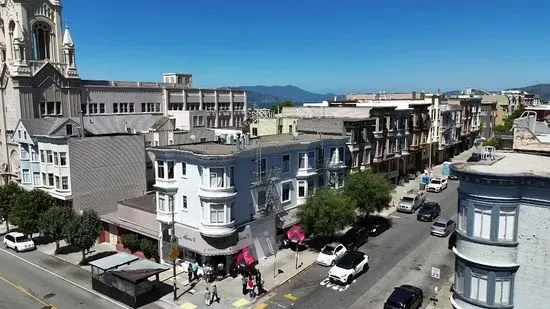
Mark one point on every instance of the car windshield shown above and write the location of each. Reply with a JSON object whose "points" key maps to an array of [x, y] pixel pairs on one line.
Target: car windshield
{"points": [[347, 262], [426, 209], [21, 238], [328, 250], [439, 224], [407, 199], [436, 181]]}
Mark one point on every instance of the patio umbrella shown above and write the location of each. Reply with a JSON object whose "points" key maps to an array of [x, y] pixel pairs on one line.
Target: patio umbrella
{"points": [[296, 234], [246, 257]]}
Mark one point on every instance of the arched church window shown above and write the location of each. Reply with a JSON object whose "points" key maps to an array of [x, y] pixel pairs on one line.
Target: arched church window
{"points": [[41, 33]]}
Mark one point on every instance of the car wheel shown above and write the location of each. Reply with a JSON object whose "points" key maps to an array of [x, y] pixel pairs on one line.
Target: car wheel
{"points": [[350, 279], [16, 249]]}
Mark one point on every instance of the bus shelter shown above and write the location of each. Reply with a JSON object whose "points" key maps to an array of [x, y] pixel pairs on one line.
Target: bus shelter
{"points": [[125, 278]]}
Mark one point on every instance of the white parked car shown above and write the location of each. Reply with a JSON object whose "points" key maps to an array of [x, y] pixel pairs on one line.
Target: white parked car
{"points": [[18, 242], [350, 266], [437, 185], [330, 254]]}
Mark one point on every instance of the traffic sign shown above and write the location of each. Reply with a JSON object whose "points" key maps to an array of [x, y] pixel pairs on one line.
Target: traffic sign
{"points": [[436, 273], [174, 254]]}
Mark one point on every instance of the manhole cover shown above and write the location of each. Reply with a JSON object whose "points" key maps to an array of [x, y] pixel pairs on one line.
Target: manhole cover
{"points": [[50, 295]]}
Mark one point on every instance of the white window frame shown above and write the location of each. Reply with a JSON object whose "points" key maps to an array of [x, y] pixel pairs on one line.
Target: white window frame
{"points": [[283, 185], [49, 157], [218, 213], [459, 278], [162, 202], [302, 158], [64, 180], [310, 162], [34, 156], [63, 158], [302, 184], [26, 176], [214, 182], [183, 169], [285, 164], [507, 223], [462, 215], [477, 292], [161, 166], [34, 182], [184, 204], [55, 158], [24, 152], [172, 165], [482, 221], [503, 286]]}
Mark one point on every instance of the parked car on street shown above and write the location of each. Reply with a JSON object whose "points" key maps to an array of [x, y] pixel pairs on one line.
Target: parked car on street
{"points": [[350, 266], [375, 225], [355, 237], [437, 185], [443, 227], [429, 211], [18, 242], [411, 201], [330, 254], [405, 297]]}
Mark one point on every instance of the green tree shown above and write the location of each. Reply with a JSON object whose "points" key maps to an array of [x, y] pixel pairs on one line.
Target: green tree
{"points": [[27, 208], [509, 121], [83, 231], [277, 108], [493, 141], [148, 247], [130, 241], [8, 195], [52, 223], [326, 212], [501, 129], [370, 191]]}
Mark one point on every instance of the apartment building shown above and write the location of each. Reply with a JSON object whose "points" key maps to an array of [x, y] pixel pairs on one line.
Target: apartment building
{"points": [[264, 121], [487, 118], [502, 243], [41, 80], [470, 118], [449, 138], [227, 196]]}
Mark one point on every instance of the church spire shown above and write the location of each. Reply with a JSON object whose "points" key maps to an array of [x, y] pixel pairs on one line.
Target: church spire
{"points": [[67, 38]]}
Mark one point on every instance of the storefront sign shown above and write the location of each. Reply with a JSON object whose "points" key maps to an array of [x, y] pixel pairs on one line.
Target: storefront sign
{"points": [[194, 241]]}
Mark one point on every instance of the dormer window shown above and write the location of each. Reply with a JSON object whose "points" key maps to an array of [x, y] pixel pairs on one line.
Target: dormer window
{"points": [[69, 129]]}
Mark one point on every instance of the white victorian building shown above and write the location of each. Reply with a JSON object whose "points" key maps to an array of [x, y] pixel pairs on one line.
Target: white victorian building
{"points": [[228, 196]]}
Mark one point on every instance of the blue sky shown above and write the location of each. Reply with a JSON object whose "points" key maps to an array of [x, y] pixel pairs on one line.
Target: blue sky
{"points": [[322, 46]]}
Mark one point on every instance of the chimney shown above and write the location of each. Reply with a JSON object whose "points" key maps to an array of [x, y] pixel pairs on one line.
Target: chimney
{"points": [[81, 130]]}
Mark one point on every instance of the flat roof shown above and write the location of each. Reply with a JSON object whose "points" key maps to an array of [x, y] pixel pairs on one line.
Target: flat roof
{"points": [[509, 164], [280, 140], [113, 261], [144, 202]]}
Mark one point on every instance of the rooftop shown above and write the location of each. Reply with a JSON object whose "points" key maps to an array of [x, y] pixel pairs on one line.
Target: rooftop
{"points": [[281, 140], [145, 203], [509, 164]]}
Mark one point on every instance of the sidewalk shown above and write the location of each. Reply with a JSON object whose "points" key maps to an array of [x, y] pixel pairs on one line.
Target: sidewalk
{"points": [[275, 271], [415, 183], [443, 296]]}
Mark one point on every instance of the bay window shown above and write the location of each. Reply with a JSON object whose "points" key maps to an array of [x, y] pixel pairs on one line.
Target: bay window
{"points": [[310, 159], [34, 155], [170, 167], [65, 183], [459, 278], [232, 176], [24, 152], [217, 177], [162, 202], [482, 221], [286, 163], [49, 156], [160, 169], [26, 176], [462, 215], [285, 189], [55, 159], [506, 223], [302, 160], [478, 287], [217, 213], [502, 291], [63, 158], [301, 188]]}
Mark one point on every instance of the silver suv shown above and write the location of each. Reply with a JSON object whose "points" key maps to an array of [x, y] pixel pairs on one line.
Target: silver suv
{"points": [[411, 201]]}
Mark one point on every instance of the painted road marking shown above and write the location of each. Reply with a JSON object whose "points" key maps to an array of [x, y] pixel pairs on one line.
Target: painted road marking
{"points": [[188, 305], [291, 297], [278, 305], [260, 306], [66, 280], [326, 282], [24, 291], [241, 303]]}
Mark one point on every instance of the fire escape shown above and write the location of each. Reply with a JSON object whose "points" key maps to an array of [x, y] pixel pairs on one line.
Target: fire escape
{"points": [[268, 179]]}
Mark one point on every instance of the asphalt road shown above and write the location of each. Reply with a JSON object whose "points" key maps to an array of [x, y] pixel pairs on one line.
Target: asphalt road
{"points": [[24, 286], [311, 288]]}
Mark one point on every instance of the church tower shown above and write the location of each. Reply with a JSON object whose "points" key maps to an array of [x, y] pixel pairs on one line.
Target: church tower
{"points": [[39, 23]]}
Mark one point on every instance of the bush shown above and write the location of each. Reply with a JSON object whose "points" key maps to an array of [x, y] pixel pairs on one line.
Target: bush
{"points": [[493, 141], [148, 247], [130, 241]]}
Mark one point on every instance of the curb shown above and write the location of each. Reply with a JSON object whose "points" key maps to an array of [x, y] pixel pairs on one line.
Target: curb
{"points": [[278, 285]]}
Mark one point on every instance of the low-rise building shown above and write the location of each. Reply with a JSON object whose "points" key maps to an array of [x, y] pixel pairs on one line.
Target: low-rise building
{"points": [[227, 196], [531, 135], [502, 242]]}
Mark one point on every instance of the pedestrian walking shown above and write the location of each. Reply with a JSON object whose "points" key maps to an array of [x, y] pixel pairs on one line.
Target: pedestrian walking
{"points": [[207, 297], [251, 287], [215, 297], [245, 283], [195, 270], [260, 283], [190, 272]]}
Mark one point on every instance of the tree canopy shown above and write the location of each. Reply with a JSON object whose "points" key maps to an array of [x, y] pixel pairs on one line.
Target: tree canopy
{"points": [[83, 231], [370, 191], [493, 141], [326, 212], [53, 222], [277, 108], [27, 208], [509, 121], [8, 194]]}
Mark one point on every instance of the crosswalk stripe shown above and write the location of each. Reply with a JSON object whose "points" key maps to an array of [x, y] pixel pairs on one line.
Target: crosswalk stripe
{"points": [[291, 297]]}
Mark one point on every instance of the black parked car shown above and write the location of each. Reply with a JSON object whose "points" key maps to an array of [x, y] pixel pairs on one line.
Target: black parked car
{"points": [[405, 297], [355, 237], [428, 212], [375, 225]]}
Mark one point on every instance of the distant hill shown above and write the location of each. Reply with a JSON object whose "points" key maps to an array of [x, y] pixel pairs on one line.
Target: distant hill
{"points": [[542, 90], [266, 96]]}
